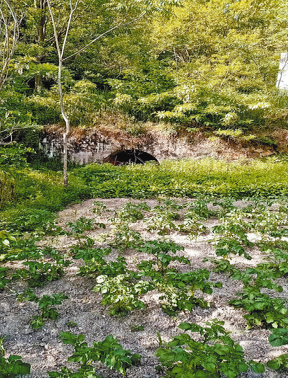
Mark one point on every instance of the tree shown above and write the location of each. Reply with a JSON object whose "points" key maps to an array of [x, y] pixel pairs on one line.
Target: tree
{"points": [[224, 59], [129, 13], [9, 34]]}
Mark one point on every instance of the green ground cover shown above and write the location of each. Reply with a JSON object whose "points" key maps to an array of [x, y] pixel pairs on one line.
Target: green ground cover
{"points": [[40, 194]]}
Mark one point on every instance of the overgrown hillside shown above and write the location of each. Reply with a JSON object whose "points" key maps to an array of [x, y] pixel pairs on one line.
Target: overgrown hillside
{"points": [[190, 64]]}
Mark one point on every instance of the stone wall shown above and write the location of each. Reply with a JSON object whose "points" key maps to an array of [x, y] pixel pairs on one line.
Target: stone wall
{"points": [[94, 145]]}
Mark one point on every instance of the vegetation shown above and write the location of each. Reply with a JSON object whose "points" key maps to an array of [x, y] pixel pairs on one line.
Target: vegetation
{"points": [[215, 65], [214, 355], [203, 66]]}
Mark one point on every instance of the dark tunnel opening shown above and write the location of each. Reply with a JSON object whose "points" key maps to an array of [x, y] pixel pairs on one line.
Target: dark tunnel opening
{"points": [[125, 157]]}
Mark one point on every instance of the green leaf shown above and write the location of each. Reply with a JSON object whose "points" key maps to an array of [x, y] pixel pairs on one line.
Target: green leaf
{"points": [[274, 364], [257, 367]]}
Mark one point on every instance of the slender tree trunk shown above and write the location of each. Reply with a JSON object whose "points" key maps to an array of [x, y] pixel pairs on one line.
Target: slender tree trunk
{"points": [[41, 38], [67, 124], [10, 24]]}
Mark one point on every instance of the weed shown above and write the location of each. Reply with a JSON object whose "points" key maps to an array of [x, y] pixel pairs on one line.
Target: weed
{"points": [[137, 328], [71, 324]]}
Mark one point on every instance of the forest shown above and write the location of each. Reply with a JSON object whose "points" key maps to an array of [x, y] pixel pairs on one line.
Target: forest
{"points": [[169, 269]]}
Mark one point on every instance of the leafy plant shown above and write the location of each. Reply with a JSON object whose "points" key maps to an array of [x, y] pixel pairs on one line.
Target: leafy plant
{"points": [[53, 230], [132, 212], [199, 210], [98, 207], [121, 293], [30, 220], [5, 240], [123, 237], [41, 272], [192, 226], [161, 250], [179, 289], [264, 311], [108, 351], [13, 367], [175, 300], [100, 266], [278, 337], [2, 349], [3, 280], [162, 221], [256, 277], [279, 363], [84, 224], [45, 303], [215, 355], [227, 246]]}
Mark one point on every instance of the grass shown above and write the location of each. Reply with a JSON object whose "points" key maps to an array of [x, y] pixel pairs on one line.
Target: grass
{"points": [[40, 191]]}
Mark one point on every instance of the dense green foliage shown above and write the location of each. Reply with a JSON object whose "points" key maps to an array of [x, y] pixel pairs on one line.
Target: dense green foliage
{"points": [[212, 357], [207, 62], [40, 192]]}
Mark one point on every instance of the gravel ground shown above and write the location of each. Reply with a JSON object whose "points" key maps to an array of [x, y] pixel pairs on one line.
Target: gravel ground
{"points": [[44, 350]]}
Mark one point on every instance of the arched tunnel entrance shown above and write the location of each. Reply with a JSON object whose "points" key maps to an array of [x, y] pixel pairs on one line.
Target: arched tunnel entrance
{"points": [[125, 157]]}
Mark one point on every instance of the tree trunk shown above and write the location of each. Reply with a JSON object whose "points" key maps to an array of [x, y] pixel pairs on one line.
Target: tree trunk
{"points": [[67, 124], [41, 38]]}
